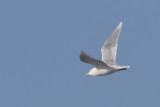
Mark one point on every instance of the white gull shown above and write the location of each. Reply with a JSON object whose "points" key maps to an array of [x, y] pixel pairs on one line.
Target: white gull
{"points": [[108, 64]]}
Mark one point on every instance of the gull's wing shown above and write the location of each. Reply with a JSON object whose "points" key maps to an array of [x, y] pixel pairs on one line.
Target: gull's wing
{"points": [[109, 48], [97, 63]]}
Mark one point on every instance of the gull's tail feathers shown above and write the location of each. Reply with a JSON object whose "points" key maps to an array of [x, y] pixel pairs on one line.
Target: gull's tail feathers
{"points": [[128, 66]]}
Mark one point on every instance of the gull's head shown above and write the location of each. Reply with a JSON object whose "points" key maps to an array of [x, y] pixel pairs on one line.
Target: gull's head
{"points": [[92, 72], [86, 74]]}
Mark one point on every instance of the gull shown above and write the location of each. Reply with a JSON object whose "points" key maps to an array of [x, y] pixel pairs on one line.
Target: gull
{"points": [[108, 64]]}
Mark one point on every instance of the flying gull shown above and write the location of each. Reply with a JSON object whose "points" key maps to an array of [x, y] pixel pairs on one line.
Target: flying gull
{"points": [[108, 64]]}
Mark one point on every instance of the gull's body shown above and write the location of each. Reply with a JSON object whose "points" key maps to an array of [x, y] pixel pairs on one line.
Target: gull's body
{"points": [[108, 64]]}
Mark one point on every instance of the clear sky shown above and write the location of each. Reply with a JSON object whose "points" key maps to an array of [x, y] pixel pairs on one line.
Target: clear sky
{"points": [[40, 42]]}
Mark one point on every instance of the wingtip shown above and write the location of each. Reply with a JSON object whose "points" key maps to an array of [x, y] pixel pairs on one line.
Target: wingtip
{"points": [[120, 24], [83, 56], [81, 53]]}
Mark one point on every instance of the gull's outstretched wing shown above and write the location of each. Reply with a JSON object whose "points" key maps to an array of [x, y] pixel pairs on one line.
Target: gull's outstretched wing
{"points": [[109, 48], [97, 63]]}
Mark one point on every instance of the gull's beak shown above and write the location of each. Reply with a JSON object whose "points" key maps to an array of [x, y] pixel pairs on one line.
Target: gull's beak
{"points": [[86, 74]]}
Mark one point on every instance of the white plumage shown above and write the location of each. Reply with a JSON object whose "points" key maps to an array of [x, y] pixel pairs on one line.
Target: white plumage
{"points": [[108, 64]]}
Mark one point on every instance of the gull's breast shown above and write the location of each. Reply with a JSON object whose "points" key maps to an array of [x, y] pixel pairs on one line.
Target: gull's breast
{"points": [[102, 72]]}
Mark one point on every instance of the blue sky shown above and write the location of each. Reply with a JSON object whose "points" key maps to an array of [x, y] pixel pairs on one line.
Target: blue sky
{"points": [[40, 43]]}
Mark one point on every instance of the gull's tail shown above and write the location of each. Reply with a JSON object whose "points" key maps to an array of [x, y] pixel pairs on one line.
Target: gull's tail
{"points": [[127, 66]]}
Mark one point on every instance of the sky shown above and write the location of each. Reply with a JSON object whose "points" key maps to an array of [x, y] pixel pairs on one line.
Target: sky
{"points": [[40, 42]]}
